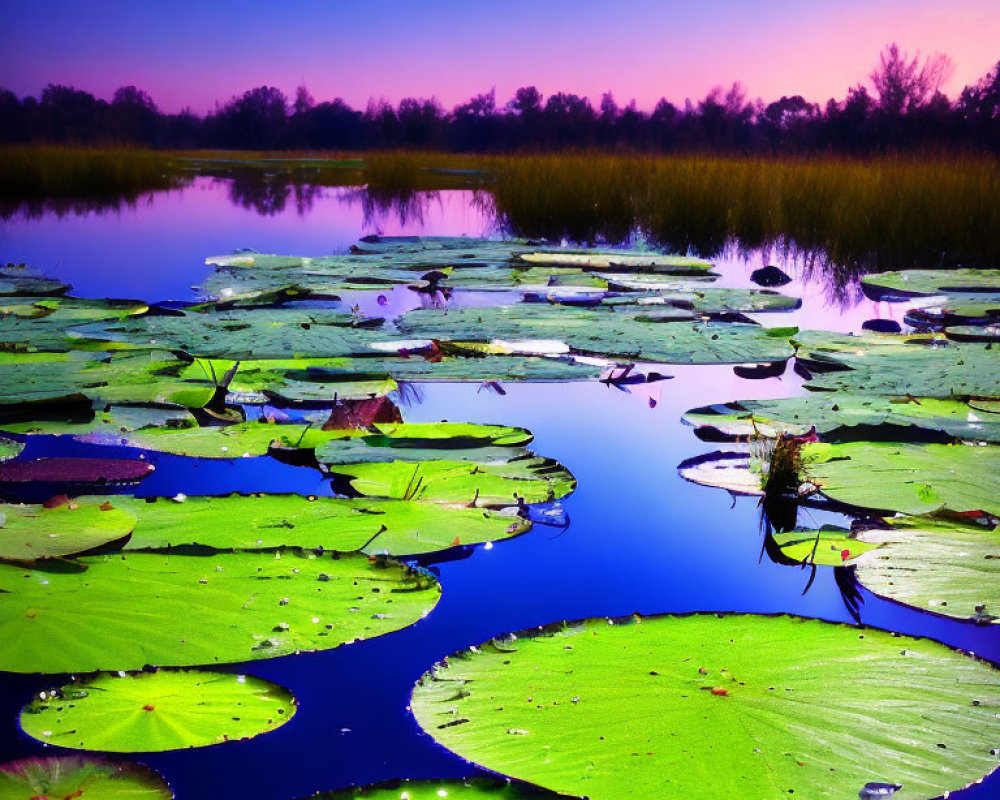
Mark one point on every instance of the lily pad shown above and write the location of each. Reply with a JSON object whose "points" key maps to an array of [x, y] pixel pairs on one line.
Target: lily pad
{"points": [[124, 612], [22, 282], [73, 776], [606, 332], [43, 323], [830, 546], [938, 564], [619, 261], [10, 448], [396, 527], [257, 438], [155, 711], [732, 471], [921, 365], [841, 412], [915, 282], [710, 706], [528, 479], [97, 471], [30, 532], [909, 478], [240, 333], [109, 423]]}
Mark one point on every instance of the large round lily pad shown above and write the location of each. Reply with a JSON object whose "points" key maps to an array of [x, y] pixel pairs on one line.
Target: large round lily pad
{"points": [[29, 532], [154, 711], [915, 282], [830, 546], [397, 527], [937, 564], [709, 706], [127, 611], [77, 777], [910, 478]]}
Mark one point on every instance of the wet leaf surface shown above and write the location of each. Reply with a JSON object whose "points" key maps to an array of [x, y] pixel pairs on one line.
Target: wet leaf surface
{"points": [[155, 711], [708, 706], [75, 776]]}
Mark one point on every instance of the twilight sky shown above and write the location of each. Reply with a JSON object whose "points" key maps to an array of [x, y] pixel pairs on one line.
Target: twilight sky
{"points": [[188, 53]]}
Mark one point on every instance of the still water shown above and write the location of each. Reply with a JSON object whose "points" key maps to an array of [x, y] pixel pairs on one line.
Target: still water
{"points": [[634, 537]]}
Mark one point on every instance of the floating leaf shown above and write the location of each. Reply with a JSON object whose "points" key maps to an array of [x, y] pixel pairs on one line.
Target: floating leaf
{"points": [[397, 527], [604, 332], [910, 478], [619, 261], [155, 711], [830, 546], [914, 282], [99, 471], [124, 612], [937, 564], [717, 706], [839, 412], [731, 471], [66, 777], [30, 532], [528, 479]]}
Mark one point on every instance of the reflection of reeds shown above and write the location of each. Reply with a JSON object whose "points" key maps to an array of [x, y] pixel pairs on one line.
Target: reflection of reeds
{"points": [[61, 175], [780, 462]]}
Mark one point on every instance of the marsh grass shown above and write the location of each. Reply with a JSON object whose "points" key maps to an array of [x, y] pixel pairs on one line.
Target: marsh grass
{"points": [[37, 177], [844, 215], [860, 214]]}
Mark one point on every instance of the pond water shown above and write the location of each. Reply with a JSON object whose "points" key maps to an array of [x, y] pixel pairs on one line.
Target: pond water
{"points": [[634, 536]]}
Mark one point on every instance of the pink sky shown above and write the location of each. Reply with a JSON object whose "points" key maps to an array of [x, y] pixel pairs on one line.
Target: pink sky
{"points": [[191, 54]]}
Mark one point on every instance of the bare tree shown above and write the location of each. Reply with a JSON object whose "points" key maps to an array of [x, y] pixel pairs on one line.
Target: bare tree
{"points": [[904, 84]]}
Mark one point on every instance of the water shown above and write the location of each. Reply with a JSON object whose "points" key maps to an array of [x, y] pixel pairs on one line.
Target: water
{"points": [[639, 539]]}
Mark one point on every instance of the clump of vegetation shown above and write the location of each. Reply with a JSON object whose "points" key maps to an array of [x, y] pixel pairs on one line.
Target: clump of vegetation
{"points": [[33, 176]]}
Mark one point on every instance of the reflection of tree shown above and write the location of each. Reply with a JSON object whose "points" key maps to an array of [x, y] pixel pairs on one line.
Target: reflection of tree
{"points": [[378, 206], [265, 194]]}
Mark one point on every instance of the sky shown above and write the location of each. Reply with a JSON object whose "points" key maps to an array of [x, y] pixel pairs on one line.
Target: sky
{"points": [[192, 54]]}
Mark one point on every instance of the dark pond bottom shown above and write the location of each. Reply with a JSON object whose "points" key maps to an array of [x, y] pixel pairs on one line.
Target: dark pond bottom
{"points": [[639, 539]]}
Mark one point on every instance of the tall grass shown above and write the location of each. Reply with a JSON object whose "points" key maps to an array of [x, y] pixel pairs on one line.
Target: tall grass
{"points": [[32, 177], [878, 213]]}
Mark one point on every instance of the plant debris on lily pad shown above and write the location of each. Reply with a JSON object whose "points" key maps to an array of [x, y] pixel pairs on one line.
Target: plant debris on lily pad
{"points": [[62, 777], [710, 706], [156, 711], [123, 612], [62, 528]]}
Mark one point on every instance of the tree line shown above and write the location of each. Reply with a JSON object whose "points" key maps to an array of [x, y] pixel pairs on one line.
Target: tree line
{"points": [[902, 108]]}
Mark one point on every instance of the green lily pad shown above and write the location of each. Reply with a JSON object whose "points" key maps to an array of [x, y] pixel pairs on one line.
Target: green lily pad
{"points": [[257, 438], [528, 479], [22, 282], [124, 612], [108, 423], [715, 300], [476, 789], [830, 546], [155, 711], [241, 333], [619, 261], [922, 365], [973, 333], [10, 449], [396, 527], [909, 478], [837, 412], [915, 282], [606, 332], [135, 377], [942, 565], [30, 532], [711, 706], [42, 323], [73, 776]]}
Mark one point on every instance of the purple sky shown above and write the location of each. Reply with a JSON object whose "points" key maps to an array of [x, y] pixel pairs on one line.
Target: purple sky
{"points": [[194, 53]]}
